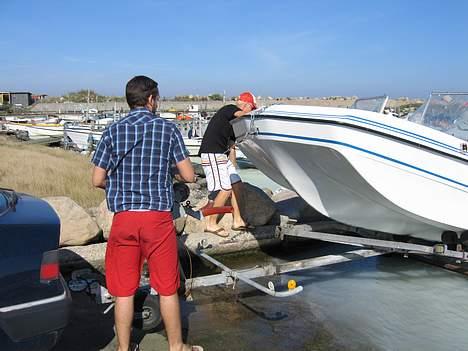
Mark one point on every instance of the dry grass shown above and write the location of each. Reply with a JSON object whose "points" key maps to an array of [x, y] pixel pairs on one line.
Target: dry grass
{"points": [[44, 171]]}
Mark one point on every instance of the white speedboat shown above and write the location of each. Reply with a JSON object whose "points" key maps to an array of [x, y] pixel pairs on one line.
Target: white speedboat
{"points": [[368, 169]]}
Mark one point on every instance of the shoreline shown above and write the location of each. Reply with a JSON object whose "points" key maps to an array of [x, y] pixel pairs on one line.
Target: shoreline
{"points": [[210, 106]]}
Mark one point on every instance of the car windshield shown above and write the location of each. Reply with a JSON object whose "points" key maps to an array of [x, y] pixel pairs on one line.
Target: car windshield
{"points": [[374, 104], [447, 112]]}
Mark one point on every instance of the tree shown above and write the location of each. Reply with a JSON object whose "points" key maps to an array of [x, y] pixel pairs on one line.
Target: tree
{"points": [[216, 97]]}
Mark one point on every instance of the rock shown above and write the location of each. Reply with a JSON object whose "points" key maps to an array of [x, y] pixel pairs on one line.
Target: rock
{"points": [[179, 224], [76, 225], [255, 206], [197, 195], [104, 219], [193, 186], [289, 203], [93, 212], [198, 170], [192, 192], [202, 182], [193, 225]]}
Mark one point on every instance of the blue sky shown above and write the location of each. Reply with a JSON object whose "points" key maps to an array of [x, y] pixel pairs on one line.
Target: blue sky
{"points": [[287, 48]]}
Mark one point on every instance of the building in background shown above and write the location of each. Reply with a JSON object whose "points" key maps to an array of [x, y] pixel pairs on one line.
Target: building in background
{"points": [[4, 98], [21, 99], [39, 97]]}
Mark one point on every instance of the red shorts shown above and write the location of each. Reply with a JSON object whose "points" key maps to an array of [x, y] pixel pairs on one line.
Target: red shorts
{"points": [[134, 237]]}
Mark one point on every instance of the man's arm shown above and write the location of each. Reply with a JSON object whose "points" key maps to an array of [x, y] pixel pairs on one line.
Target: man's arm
{"points": [[101, 161], [245, 110], [241, 113], [99, 177], [232, 155], [186, 171]]}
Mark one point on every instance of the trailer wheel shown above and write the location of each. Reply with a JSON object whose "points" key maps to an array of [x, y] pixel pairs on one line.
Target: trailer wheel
{"points": [[147, 312]]}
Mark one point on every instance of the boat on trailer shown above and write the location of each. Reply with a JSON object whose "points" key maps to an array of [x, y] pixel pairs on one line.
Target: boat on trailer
{"points": [[368, 169]]}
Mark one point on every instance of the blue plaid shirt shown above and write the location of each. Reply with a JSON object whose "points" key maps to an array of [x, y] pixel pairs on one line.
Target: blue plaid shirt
{"points": [[138, 152]]}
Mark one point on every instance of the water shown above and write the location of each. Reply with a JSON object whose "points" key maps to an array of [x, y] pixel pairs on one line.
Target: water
{"points": [[255, 177], [392, 304], [383, 303]]}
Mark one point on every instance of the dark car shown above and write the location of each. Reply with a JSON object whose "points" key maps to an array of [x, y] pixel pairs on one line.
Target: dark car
{"points": [[34, 299]]}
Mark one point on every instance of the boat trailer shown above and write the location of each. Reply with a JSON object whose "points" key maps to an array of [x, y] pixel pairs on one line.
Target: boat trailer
{"points": [[368, 248]]}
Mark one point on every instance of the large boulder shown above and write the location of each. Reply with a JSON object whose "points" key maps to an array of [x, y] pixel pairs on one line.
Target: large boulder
{"points": [[255, 205], [104, 219], [289, 203], [76, 225]]}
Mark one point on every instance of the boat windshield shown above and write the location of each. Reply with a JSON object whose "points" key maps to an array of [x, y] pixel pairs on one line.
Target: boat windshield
{"points": [[447, 112], [374, 104]]}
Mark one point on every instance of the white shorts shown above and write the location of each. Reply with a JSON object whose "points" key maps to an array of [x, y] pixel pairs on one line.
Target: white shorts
{"points": [[220, 172]]}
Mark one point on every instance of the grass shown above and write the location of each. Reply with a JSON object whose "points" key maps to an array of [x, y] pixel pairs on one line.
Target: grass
{"points": [[43, 171]]}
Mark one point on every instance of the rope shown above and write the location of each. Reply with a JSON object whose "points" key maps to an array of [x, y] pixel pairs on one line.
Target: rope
{"points": [[189, 290]]}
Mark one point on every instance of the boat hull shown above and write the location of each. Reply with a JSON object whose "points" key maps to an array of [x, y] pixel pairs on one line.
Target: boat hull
{"points": [[361, 178]]}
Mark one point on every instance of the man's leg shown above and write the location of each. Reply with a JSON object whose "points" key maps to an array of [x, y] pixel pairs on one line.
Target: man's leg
{"points": [[162, 255], [123, 315], [123, 263], [220, 200], [237, 220], [170, 312]]}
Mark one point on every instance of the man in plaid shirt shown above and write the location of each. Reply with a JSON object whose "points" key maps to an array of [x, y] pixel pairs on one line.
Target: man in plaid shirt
{"points": [[133, 163]]}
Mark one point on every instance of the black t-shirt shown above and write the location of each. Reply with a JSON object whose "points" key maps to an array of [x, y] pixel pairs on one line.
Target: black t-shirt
{"points": [[219, 134]]}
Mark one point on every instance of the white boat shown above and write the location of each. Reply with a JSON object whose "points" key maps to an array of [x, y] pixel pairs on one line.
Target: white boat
{"points": [[82, 136], [192, 131], [36, 130], [368, 169]]}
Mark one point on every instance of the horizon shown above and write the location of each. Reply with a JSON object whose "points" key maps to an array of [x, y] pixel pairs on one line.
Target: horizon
{"points": [[295, 49]]}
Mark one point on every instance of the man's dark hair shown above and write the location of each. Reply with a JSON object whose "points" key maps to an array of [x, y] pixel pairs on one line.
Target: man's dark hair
{"points": [[139, 89]]}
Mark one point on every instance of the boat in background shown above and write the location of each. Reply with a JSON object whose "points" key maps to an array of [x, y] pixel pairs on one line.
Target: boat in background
{"points": [[36, 129], [367, 169], [81, 137]]}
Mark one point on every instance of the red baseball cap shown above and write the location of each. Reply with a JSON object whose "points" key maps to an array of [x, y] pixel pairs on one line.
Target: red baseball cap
{"points": [[247, 96]]}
